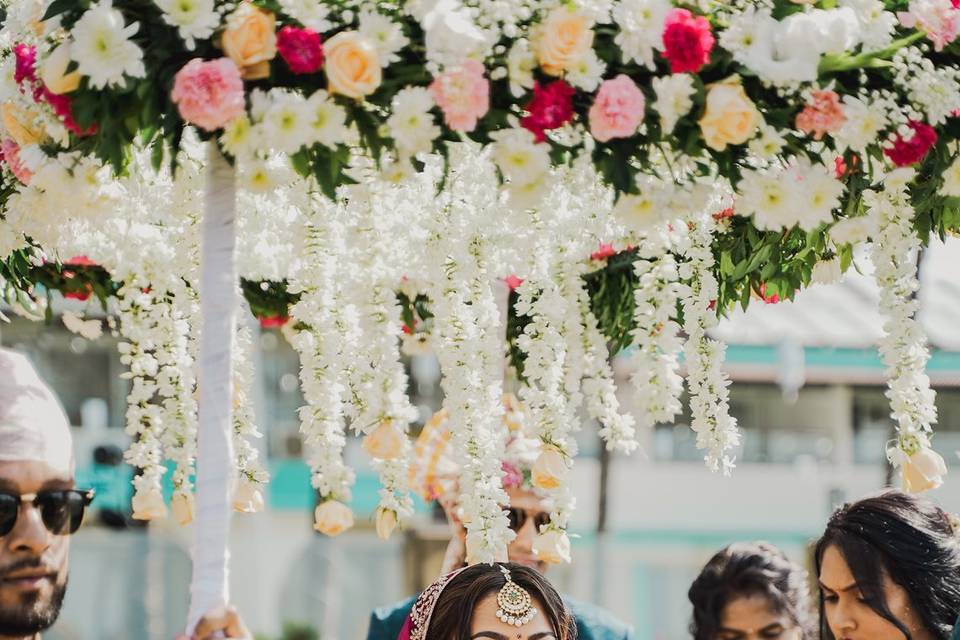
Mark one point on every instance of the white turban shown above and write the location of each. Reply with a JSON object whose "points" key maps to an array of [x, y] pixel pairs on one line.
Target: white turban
{"points": [[33, 425]]}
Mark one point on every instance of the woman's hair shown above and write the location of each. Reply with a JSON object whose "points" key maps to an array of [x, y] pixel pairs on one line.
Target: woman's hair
{"points": [[453, 613], [747, 569], [907, 538]]}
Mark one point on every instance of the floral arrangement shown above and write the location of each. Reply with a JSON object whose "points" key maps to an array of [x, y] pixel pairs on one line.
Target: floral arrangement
{"points": [[630, 167]]}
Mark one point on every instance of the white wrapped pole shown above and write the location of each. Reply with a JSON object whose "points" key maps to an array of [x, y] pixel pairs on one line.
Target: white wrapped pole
{"points": [[209, 587]]}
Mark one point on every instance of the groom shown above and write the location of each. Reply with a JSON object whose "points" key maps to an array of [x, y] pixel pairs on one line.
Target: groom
{"points": [[432, 478]]}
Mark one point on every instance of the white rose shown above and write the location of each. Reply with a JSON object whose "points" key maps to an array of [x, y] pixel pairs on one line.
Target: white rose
{"points": [[386, 522], [550, 470], [332, 518], [923, 470], [552, 546], [149, 505], [183, 507], [248, 498]]}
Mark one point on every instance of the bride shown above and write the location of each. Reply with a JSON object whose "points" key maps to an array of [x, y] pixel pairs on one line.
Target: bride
{"points": [[500, 601]]}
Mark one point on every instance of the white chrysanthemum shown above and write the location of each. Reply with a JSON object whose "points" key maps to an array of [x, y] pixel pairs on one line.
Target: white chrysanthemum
{"points": [[411, 124], [674, 99], [327, 121], [385, 34], [876, 23], [587, 73], [239, 137], [257, 176], [310, 13], [769, 198], [520, 65], [641, 29], [640, 213], [102, 46], [194, 19], [951, 180], [853, 231], [863, 125], [521, 160], [820, 193], [287, 122], [768, 144]]}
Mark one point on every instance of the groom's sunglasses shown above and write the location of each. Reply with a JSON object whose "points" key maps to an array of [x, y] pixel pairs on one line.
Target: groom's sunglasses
{"points": [[61, 510], [518, 517]]}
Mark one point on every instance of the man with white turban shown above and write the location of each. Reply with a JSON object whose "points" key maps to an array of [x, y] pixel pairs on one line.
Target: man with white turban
{"points": [[39, 505]]}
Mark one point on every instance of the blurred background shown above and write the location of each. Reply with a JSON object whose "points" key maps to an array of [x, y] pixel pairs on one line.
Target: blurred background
{"points": [[808, 392]]}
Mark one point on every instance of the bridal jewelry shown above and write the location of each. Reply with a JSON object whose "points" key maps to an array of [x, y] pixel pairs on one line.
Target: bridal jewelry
{"points": [[515, 604]]}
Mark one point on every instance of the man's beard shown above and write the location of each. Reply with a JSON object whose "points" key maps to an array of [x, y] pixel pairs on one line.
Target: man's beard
{"points": [[32, 616]]}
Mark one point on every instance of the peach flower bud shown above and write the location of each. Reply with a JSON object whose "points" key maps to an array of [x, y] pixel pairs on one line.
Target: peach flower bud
{"points": [[183, 507], [352, 67], [552, 546], [385, 442], [386, 522], [53, 71], [550, 470], [149, 505], [332, 518]]}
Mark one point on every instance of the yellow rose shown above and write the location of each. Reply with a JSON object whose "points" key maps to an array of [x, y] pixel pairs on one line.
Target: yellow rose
{"points": [[923, 470], [53, 71], [19, 124], [352, 65], [183, 507], [385, 442], [149, 505], [248, 498], [250, 40], [730, 118], [386, 522], [550, 469], [562, 40], [332, 518], [552, 546]]}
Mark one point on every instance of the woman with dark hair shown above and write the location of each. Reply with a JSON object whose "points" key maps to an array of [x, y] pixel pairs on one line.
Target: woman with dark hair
{"points": [[500, 601], [889, 567], [751, 591]]}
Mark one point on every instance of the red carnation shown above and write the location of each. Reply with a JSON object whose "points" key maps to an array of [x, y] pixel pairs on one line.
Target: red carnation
{"points": [[82, 295], [906, 152], [61, 106], [687, 41], [301, 49], [513, 282], [550, 107], [605, 251], [771, 299], [274, 322], [26, 62], [79, 261]]}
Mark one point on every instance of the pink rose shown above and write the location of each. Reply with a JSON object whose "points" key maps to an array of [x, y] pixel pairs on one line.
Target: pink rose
{"points": [[301, 49], [908, 151], [687, 41], [11, 155], [463, 94], [209, 93], [823, 115], [550, 108], [617, 110]]}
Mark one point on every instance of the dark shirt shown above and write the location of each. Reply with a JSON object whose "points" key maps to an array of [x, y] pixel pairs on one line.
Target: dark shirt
{"points": [[593, 623]]}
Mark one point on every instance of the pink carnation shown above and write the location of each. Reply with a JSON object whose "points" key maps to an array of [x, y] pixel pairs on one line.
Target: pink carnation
{"points": [[301, 49], [687, 41], [11, 155], [463, 94], [617, 110], [550, 108], [209, 93], [823, 115], [512, 476], [908, 151], [940, 19]]}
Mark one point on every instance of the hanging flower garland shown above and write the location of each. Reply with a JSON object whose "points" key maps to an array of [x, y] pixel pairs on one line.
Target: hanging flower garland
{"points": [[251, 476]]}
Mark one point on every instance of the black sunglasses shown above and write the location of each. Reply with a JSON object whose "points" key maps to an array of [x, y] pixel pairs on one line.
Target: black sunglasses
{"points": [[518, 518], [61, 510]]}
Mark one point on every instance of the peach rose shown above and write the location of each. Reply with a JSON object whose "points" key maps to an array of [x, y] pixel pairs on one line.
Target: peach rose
{"points": [[149, 505], [550, 469], [53, 71], [19, 124], [250, 40], [183, 507], [922, 471], [386, 522], [248, 498], [385, 442], [730, 117], [353, 68], [552, 546], [562, 40], [332, 518]]}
